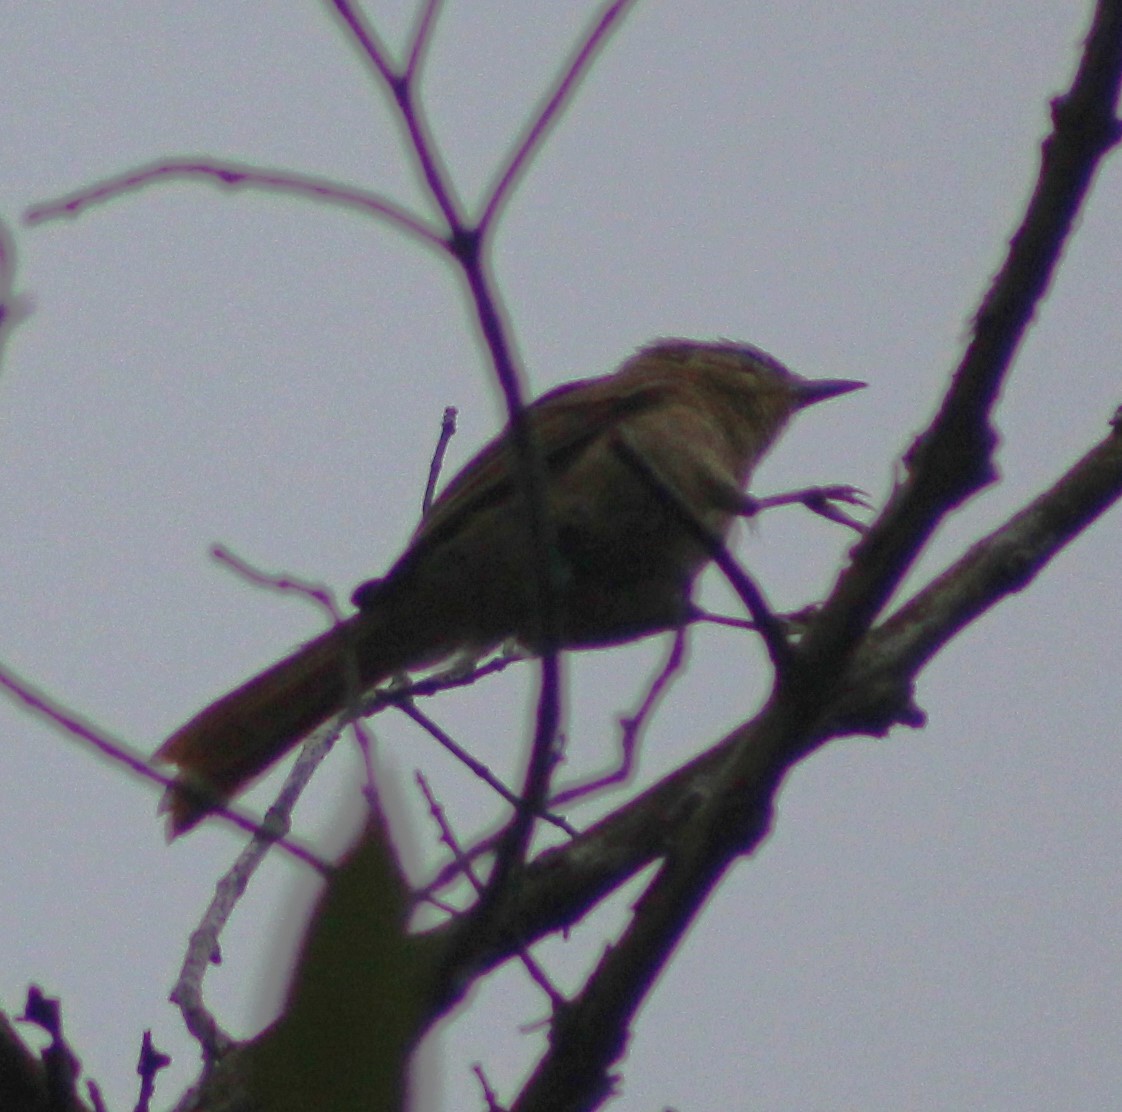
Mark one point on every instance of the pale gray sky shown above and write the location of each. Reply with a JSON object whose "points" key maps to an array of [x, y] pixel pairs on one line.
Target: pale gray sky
{"points": [[934, 923]]}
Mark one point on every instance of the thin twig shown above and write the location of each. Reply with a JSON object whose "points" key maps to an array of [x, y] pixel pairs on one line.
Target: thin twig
{"points": [[489, 1094], [371, 47], [202, 947], [566, 84], [237, 175], [543, 756], [475, 766], [425, 23], [364, 737], [631, 729], [447, 431], [127, 756], [450, 873], [400, 87], [14, 307], [149, 1064], [435, 684], [274, 581], [448, 837]]}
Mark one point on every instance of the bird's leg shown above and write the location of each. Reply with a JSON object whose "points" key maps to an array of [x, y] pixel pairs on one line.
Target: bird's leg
{"points": [[765, 622]]}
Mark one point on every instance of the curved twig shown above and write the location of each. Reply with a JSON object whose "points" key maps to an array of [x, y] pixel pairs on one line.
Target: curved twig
{"points": [[237, 175]]}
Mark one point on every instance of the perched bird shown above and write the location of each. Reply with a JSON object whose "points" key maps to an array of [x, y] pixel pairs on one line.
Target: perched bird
{"points": [[621, 560]]}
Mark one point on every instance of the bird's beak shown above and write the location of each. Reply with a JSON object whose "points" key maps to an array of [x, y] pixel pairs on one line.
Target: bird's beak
{"points": [[812, 390]]}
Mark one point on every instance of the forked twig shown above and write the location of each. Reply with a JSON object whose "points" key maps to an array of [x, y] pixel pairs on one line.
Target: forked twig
{"points": [[631, 729], [277, 581], [478, 768], [448, 837], [202, 947]]}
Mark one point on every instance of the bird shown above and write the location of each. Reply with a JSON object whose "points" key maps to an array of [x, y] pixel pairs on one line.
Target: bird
{"points": [[621, 559]]}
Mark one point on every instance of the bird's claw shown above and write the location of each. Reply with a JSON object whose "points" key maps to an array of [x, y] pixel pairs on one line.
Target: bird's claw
{"points": [[819, 500]]}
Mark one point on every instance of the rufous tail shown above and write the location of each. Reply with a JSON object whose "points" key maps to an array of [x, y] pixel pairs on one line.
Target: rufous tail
{"points": [[236, 738]]}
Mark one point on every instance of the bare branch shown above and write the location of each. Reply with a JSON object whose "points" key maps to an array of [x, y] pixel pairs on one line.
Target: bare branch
{"points": [[591, 1033], [631, 729], [952, 459], [447, 431], [466, 245], [425, 23], [489, 1096], [125, 755], [464, 865], [235, 175], [203, 947], [566, 85], [477, 768], [364, 35], [400, 87], [150, 1063], [15, 307], [563, 882], [1002, 563], [275, 581]]}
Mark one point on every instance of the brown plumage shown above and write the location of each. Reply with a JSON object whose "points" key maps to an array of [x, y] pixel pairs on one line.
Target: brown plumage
{"points": [[700, 414]]}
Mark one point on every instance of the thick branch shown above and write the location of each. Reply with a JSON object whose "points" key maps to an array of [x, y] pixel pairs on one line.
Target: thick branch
{"points": [[560, 886], [951, 460]]}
